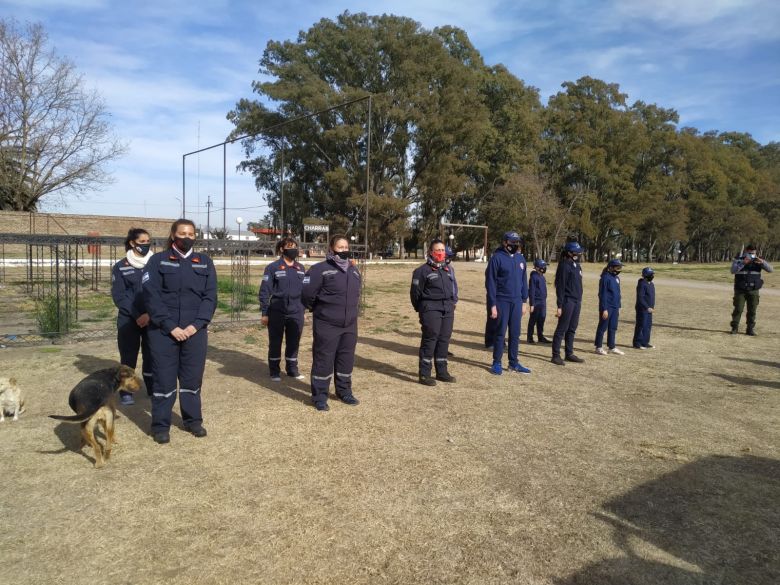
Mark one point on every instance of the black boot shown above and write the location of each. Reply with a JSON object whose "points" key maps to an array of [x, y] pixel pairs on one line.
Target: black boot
{"points": [[734, 330], [751, 331], [427, 381], [530, 340], [444, 377]]}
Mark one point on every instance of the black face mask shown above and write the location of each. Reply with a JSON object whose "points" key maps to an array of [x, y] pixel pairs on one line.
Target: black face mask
{"points": [[344, 255], [512, 248], [542, 270], [143, 249], [184, 244], [649, 278], [291, 253], [574, 257]]}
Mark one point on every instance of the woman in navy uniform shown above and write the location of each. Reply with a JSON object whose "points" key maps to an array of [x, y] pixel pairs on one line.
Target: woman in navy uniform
{"points": [[282, 310], [331, 290], [568, 293], [609, 307], [645, 306], [537, 301], [180, 292], [132, 320], [434, 294]]}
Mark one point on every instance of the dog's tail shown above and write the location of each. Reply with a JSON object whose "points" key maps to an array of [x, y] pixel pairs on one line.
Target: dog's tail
{"points": [[76, 418]]}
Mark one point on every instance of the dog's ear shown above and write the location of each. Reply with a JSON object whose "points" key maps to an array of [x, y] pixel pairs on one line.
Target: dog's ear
{"points": [[123, 373]]}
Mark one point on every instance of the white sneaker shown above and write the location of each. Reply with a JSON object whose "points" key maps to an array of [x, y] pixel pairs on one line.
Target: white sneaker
{"points": [[649, 347], [600, 351], [615, 350], [276, 378]]}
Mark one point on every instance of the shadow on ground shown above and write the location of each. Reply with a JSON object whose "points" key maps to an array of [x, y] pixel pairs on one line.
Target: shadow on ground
{"points": [[718, 516]]}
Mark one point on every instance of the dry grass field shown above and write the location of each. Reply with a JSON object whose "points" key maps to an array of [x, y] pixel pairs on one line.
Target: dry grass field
{"points": [[657, 467]]}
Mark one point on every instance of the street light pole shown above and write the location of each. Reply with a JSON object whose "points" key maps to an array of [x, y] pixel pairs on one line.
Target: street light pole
{"points": [[239, 221]]}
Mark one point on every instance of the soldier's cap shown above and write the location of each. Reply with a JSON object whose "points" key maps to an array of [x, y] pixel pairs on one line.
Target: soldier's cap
{"points": [[512, 237]]}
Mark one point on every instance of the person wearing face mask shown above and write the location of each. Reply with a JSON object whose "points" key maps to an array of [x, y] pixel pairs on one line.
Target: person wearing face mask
{"points": [[507, 293], [434, 294], [537, 301], [645, 306], [568, 293], [180, 292], [609, 307], [282, 310], [331, 291], [747, 282], [132, 319]]}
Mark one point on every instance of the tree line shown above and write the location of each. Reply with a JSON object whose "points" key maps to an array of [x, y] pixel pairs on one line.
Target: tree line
{"points": [[458, 140]]}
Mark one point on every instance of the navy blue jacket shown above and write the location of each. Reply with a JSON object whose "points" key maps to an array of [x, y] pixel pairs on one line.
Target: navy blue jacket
{"points": [[537, 290], [280, 289], [433, 288], [332, 294], [645, 295], [568, 282], [505, 278], [609, 292], [126, 290], [178, 291]]}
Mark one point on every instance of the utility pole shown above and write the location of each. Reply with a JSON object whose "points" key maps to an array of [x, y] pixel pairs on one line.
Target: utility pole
{"points": [[208, 221]]}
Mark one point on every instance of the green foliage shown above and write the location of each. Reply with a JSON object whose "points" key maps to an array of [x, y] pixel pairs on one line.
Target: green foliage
{"points": [[52, 317]]}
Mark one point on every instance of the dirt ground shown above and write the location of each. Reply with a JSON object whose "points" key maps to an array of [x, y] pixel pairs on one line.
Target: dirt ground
{"points": [[659, 466]]}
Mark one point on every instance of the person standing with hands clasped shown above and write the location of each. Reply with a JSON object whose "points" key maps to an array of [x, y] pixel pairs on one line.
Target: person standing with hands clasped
{"points": [[609, 307], [568, 292], [132, 320], [645, 306], [747, 282], [537, 301], [282, 310], [434, 294], [180, 292], [331, 290], [507, 291]]}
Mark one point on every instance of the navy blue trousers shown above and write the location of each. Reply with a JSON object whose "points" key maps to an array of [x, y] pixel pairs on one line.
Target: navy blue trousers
{"points": [[436, 333], [282, 325], [644, 325], [567, 327], [333, 352], [536, 320], [130, 337], [610, 325], [491, 326], [182, 361], [509, 314]]}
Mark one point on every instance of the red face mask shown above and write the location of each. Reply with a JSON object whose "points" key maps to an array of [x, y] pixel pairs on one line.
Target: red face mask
{"points": [[438, 256]]}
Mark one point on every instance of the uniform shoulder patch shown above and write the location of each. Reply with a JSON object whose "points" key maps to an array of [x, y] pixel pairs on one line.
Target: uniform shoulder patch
{"points": [[145, 277], [306, 279]]}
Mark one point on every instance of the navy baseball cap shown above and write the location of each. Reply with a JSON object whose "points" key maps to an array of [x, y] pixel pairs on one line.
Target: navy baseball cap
{"points": [[512, 237]]}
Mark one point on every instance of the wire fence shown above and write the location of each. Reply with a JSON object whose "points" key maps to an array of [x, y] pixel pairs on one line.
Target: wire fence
{"points": [[57, 289]]}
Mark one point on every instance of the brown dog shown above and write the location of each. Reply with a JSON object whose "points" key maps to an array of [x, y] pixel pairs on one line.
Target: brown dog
{"points": [[11, 399], [94, 402]]}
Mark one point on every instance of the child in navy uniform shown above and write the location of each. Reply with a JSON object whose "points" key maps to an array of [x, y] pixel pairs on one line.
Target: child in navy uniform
{"points": [[537, 299], [609, 307], [645, 305]]}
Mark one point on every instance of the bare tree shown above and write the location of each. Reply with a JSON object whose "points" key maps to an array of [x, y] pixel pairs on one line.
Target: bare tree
{"points": [[54, 134]]}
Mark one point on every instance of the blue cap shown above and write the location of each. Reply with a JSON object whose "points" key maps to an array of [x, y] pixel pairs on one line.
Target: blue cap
{"points": [[539, 263], [614, 262], [647, 271], [573, 247], [512, 237]]}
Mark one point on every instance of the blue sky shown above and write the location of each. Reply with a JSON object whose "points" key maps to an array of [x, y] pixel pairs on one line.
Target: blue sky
{"points": [[170, 70]]}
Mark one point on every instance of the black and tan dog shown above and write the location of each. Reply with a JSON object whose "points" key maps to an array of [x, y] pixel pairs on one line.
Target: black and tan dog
{"points": [[94, 402]]}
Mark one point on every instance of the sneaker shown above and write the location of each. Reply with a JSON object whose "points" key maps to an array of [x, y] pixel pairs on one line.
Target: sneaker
{"points": [[162, 437], [544, 340], [197, 430], [296, 375], [530, 340], [556, 359], [427, 381], [322, 406], [734, 330], [519, 369], [639, 347], [276, 378], [126, 400], [496, 369], [616, 351], [445, 377], [574, 358], [648, 346], [349, 399], [600, 351]]}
